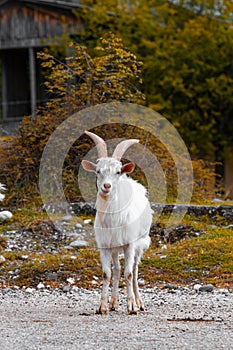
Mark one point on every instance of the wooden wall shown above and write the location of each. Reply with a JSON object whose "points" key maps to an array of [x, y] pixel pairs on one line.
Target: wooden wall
{"points": [[24, 25]]}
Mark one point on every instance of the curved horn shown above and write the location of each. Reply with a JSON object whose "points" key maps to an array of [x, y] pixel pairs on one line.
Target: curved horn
{"points": [[122, 147], [100, 144]]}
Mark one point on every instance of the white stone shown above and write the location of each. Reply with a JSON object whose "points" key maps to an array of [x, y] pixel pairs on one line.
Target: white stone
{"points": [[5, 215], [24, 257], [197, 287], [2, 259], [29, 290], [40, 286], [78, 244], [78, 225], [71, 280]]}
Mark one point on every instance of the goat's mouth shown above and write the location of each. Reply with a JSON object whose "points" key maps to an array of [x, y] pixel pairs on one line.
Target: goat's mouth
{"points": [[104, 191]]}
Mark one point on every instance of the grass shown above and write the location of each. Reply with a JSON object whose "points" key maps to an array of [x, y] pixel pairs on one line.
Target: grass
{"points": [[207, 258]]}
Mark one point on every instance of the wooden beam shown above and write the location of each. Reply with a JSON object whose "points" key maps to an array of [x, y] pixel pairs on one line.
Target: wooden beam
{"points": [[4, 91], [32, 75]]}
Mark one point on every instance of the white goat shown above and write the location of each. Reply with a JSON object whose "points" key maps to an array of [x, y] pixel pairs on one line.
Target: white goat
{"points": [[4, 214], [122, 222]]}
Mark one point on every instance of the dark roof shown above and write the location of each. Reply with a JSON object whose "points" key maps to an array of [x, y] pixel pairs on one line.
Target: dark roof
{"points": [[69, 4]]}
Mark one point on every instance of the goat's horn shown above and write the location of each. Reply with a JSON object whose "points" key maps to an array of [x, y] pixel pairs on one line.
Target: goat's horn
{"points": [[122, 147], [100, 144]]}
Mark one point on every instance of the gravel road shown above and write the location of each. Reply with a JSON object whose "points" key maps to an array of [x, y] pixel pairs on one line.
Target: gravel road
{"points": [[175, 319]]}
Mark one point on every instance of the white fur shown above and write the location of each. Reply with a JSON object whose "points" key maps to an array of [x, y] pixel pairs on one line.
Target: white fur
{"points": [[122, 224]]}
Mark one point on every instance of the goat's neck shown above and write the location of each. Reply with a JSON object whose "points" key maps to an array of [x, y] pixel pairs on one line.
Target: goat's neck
{"points": [[103, 203]]}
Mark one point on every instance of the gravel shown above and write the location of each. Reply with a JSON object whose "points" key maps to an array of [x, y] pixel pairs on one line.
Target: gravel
{"points": [[176, 318]]}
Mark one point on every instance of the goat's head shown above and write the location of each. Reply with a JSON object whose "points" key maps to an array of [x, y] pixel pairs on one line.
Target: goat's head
{"points": [[109, 169]]}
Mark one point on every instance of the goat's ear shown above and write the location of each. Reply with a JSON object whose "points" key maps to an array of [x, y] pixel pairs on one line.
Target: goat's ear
{"points": [[88, 166], [127, 168]]}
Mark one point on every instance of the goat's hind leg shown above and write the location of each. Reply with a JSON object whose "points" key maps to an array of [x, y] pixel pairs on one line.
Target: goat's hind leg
{"points": [[106, 257], [129, 263], [113, 305], [138, 298]]}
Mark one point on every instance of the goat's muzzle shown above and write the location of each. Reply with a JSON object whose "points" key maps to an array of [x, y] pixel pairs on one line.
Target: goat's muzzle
{"points": [[106, 188]]}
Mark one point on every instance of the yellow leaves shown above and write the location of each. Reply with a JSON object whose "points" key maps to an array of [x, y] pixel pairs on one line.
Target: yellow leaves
{"points": [[109, 75]]}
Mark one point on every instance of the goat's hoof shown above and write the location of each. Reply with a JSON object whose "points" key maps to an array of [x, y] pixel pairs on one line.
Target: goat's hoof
{"points": [[102, 310], [132, 312], [140, 305], [132, 307], [113, 305], [113, 308]]}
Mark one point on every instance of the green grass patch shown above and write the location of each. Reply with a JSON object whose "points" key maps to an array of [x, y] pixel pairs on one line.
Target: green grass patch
{"points": [[207, 258]]}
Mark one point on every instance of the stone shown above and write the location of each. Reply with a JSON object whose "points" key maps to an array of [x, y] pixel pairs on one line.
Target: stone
{"points": [[2, 259], [40, 286], [206, 288], [24, 257], [87, 221], [141, 282], [66, 289], [197, 287], [29, 290], [78, 244], [78, 226], [52, 276], [171, 286], [70, 280], [6, 214], [67, 218]]}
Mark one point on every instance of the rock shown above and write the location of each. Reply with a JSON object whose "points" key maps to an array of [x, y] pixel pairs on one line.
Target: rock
{"points": [[67, 218], [228, 226], [40, 286], [78, 226], [73, 257], [197, 287], [24, 257], [171, 286], [78, 244], [66, 289], [162, 257], [2, 259], [87, 221], [70, 280], [141, 282], [206, 288], [6, 214], [29, 290], [6, 290], [51, 276]]}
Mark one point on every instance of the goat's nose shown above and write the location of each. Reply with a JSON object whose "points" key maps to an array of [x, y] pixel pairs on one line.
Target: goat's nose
{"points": [[107, 186]]}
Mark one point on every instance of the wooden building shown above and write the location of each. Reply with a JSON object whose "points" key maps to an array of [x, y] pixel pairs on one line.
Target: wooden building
{"points": [[25, 28]]}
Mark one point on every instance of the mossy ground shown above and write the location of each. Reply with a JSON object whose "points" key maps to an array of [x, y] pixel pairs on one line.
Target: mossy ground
{"points": [[207, 258]]}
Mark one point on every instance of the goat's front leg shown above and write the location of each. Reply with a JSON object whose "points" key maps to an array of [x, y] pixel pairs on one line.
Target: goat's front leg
{"points": [[113, 305], [129, 263], [106, 257]]}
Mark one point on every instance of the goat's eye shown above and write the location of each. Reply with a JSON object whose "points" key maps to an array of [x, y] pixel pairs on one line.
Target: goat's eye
{"points": [[118, 172], [98, 172]]}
